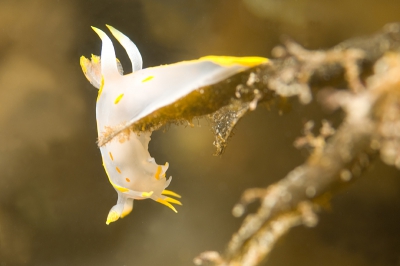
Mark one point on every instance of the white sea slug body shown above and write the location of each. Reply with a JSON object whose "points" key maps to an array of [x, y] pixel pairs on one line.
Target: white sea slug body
{"points": [[124, 99]]}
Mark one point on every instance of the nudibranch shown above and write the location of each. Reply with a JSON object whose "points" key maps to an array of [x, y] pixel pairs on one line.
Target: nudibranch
{"points": [[124, 99]]}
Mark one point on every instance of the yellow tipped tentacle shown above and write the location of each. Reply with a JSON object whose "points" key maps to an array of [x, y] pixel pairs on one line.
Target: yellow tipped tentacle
{"points": [[130, 48], [171, 200], [166, 203], [112, 217], [170, 193], [108, 59]]}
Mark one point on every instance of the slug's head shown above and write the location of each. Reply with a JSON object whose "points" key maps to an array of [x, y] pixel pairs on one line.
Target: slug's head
{"points": [[108, 66]]}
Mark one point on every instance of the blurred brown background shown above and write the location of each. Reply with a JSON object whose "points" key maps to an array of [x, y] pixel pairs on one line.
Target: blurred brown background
{"points": [[54, 194]]}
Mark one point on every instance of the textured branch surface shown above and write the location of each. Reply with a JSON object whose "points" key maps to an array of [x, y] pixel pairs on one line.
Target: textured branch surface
{"points": [[370, 67]]}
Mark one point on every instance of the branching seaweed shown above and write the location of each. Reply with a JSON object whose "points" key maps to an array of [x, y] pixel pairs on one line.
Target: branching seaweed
{"points": [[370, 66]]}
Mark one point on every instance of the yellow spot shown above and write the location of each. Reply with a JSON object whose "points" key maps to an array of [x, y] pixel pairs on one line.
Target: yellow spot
{"points": [[170, 193], [118, 170], [147, 79], [118, 98], [166, 203], [119, 188], [158, 172], [112, 217], [171, 200], [112, 158], [147, 194], [101, 88], [249, 61], [127, 180]]}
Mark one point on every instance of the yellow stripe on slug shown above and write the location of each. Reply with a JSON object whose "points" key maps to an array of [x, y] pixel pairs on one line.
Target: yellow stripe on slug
{"points": [[249, 61], [147, 194], [166, 203], [158, 172], [147, 79], [118, 98], [170, 193], [121, 189]]}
